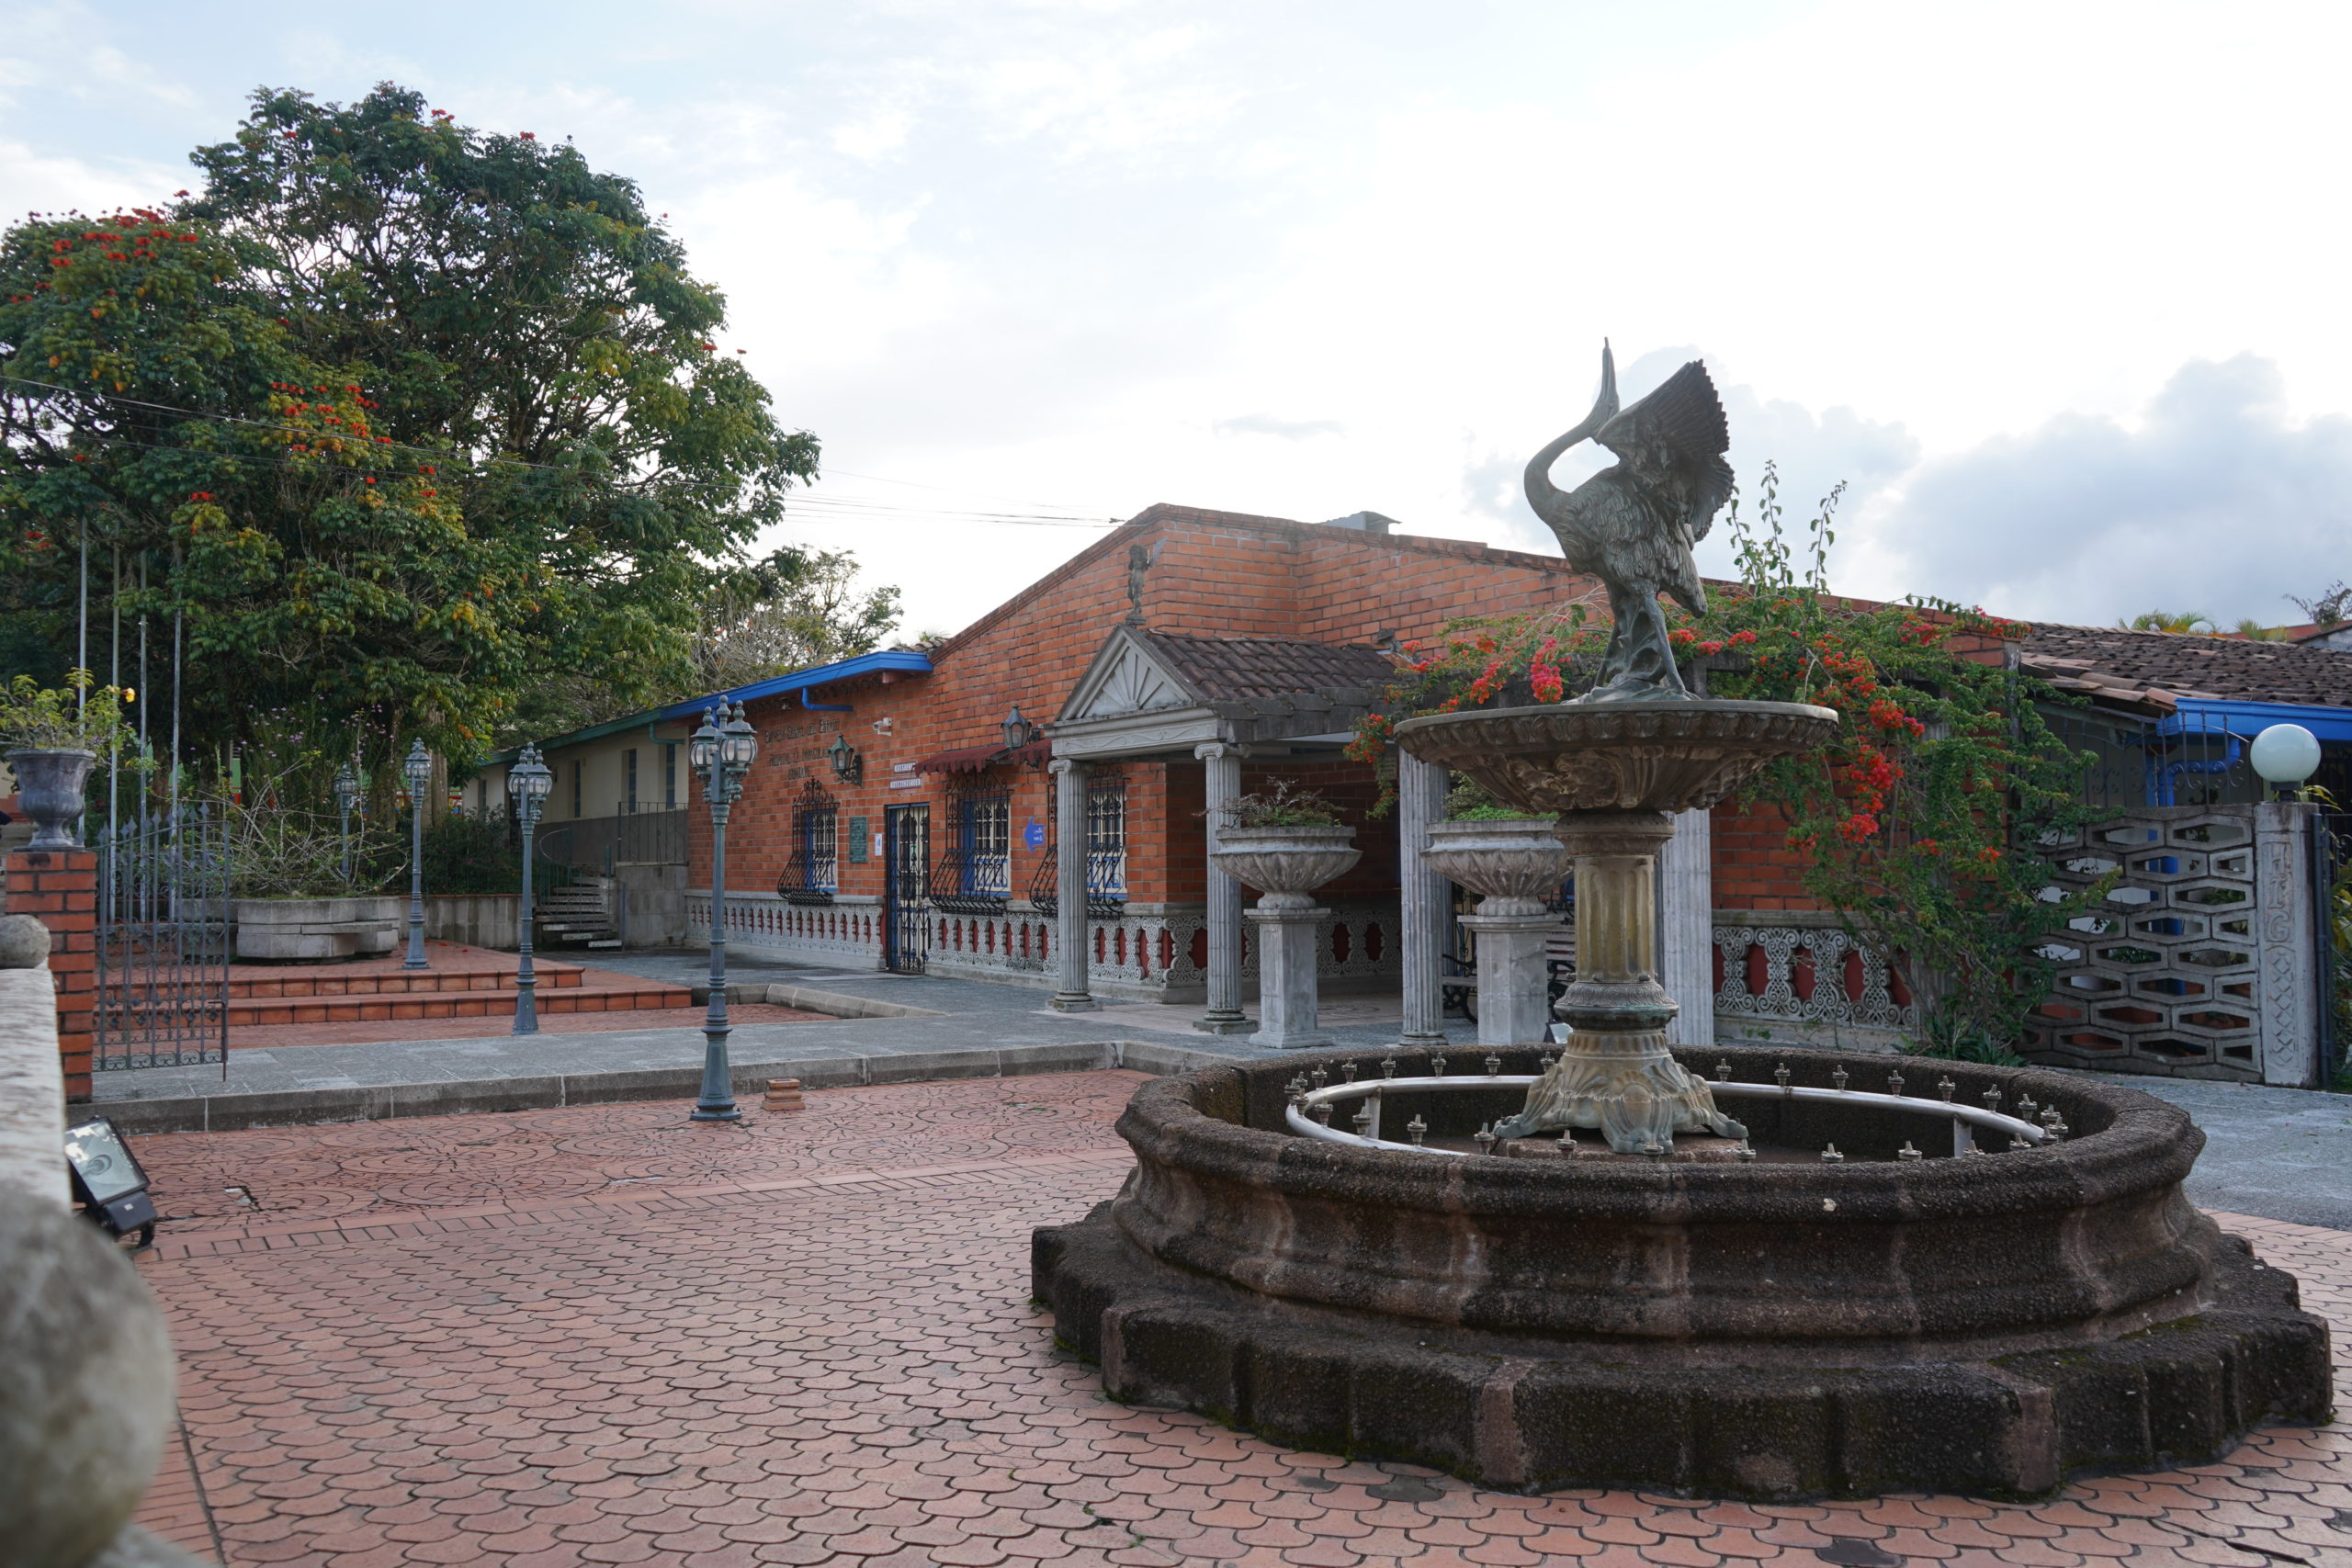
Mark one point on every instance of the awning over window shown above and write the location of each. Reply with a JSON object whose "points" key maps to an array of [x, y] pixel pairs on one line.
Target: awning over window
{"points": [[976, 759]]}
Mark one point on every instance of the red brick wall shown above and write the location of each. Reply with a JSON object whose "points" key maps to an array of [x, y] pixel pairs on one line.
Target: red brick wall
{"points": [[59, 889], [1217, 574]]}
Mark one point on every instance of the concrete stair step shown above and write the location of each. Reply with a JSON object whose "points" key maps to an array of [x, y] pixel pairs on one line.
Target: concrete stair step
{"points": [[257, 983], [633, 996]]}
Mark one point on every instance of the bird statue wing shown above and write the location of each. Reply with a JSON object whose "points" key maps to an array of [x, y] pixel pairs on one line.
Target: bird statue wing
{"points": [[1684, 421]]}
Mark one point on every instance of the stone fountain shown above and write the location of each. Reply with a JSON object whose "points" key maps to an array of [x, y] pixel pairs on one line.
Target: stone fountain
{"points": [[1806, 1301]]}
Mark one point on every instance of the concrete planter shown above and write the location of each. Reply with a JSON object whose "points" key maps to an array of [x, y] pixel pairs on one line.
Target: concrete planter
{"points": [[1286, 863], [479, 919], [281, 930], [50, 786], [1516, 862]]}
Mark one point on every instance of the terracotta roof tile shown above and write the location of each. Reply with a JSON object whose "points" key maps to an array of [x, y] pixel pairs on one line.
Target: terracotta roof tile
{"points": [[1244, 668], [2156, 669]]}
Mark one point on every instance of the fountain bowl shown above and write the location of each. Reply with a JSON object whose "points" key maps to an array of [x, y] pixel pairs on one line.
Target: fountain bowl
{"points": [[1676, 755], [1986, 1323]]}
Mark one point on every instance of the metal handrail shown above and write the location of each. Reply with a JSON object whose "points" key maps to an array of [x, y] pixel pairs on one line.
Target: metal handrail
{"points": [[1297, 1114]]}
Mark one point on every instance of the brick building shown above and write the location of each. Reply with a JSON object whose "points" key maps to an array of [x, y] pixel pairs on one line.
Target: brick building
{"points": [[903, 811]]}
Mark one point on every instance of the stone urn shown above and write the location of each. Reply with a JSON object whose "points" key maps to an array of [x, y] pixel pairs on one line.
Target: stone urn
{"points": [[1516, 864], [1286, 864], [50, 786]]}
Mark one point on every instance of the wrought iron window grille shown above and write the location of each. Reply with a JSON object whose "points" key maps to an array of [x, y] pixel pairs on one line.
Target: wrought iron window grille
{"points": [[812, 875], [974, 872]]}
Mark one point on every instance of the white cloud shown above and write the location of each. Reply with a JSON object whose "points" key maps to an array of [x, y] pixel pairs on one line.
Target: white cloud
{"points": [[1281, 429], [2214, 498]]}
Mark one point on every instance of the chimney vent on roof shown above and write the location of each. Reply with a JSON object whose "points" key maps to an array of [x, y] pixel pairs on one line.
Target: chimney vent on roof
{"points": [[1368, 521]]}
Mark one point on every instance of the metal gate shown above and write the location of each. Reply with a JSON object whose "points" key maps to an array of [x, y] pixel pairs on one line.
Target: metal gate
{"points": [[906, 860], [163, 942]]}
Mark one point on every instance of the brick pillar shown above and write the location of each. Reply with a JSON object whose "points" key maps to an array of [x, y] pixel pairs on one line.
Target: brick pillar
{"points": [[59, 889]]}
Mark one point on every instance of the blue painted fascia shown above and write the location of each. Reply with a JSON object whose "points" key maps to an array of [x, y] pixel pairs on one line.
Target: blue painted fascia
{"points": [[902, 661], [2203, 716]]}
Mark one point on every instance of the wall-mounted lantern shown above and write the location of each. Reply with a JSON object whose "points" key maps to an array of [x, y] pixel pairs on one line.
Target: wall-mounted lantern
{"points": [[848, 766], [1018, 731]]}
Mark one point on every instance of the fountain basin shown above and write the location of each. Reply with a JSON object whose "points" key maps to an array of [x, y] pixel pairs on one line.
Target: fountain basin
{"points": [[1988, 1322], [1677, 755]]}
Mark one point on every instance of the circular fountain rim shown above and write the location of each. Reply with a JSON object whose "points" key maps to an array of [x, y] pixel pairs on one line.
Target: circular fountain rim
{"points": [[2146, 1141]]}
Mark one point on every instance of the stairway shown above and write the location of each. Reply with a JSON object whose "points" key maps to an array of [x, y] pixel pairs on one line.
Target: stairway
{"points": [[463, 982], [577, 916]]}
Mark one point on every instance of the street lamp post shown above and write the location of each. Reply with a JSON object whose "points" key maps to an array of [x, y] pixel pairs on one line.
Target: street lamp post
{"points": [[346, 794], [722, 751], [527, 782], [418, 767]]}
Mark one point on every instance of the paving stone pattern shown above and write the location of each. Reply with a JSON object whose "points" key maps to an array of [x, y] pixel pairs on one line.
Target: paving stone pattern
{"points": [[604, 1336]]}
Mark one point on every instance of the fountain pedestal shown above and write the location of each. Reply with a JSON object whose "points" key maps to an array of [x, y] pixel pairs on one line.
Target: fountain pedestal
{"points": [[1613, 771], [1616, 1074]]}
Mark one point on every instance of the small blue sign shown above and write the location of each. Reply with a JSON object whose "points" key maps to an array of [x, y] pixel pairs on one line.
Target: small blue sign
{"points": [[1034, 835]]}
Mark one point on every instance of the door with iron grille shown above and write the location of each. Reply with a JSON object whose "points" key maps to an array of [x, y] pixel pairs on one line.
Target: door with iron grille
{"points": [[163, 942], [906, 914]]}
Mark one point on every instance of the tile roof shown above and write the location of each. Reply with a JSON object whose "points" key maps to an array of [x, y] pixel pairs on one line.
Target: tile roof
{"points": [[2154, 670], [1247, 668]]}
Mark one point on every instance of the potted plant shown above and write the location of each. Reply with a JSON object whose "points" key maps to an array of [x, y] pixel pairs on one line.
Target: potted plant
{"points": [[54, 737], [1285, 843], [1507, 856]]}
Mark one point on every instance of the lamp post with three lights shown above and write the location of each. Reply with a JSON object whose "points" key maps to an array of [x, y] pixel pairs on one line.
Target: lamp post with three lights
{"points": [[346, 795], [418, 770], [722, 751], [527, 782]]}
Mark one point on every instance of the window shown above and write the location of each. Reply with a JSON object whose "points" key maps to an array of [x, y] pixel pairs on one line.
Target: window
{"points": [[812, 875], [575, 789], [1106, 839], [974, 876], [670, 774], [987, 829], [628, 779]]}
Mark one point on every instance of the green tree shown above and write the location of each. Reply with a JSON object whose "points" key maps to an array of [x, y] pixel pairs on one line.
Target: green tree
{"points": [[787, 613], [407, 420], [2185, 623]]}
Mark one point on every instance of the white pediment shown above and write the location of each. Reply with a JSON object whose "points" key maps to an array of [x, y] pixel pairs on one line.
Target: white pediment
{"points": [[1126, 678]]}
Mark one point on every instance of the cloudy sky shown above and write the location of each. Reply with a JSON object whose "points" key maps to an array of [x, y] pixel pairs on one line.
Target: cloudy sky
{"points": [[2057, 288]]}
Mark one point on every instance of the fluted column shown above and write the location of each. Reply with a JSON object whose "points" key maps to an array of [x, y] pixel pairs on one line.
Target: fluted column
{"points": [[1686, 927], [1069, 886], [1422, 903], [1221, 768]]}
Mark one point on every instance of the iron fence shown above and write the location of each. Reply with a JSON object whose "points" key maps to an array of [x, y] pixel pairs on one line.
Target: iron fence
{"points": [[163, 942]]}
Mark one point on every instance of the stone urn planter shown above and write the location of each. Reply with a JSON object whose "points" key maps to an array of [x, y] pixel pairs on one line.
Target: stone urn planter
{"points": [[50, 786], [289, 930], [1516, 864], [1286, 864]]}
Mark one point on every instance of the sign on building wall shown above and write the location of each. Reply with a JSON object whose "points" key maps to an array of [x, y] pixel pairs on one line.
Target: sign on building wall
{"points": [[857, 831]]}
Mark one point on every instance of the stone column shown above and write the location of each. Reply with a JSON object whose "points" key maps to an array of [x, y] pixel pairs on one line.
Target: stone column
{"points": [[1686, 927], [1288, 1018], [1423, 903], [1221, 768], [1069, 886], [2292, 984]]}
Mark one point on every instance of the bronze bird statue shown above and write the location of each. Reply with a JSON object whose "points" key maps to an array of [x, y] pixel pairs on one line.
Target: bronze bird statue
{"points": [[1634, 524]]}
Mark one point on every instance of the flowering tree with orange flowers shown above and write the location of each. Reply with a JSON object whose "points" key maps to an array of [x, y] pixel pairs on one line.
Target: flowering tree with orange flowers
{"points": [[417, 429], [1921, 825]]}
